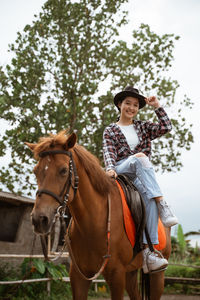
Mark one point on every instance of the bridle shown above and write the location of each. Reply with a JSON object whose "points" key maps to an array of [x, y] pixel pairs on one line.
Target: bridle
{"points": [[63, 200]]}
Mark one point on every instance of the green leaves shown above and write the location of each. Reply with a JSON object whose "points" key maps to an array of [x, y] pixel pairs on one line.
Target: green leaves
{"points": [[66, 67], [40, 265], [56, 271]]}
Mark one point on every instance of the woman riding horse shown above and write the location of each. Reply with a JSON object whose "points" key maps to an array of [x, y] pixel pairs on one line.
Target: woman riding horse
{"points": [[127, 149], [68, 175]]}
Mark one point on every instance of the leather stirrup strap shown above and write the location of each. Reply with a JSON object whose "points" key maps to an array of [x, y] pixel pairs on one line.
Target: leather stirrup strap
{"points": [[149, 240]]}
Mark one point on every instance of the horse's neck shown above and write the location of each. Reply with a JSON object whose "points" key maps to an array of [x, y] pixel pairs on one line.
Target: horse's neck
{"points": [[89, 208]]}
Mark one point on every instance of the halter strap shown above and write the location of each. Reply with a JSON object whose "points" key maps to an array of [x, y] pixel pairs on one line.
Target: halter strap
{"points": [[68, 184], [45, 153], [53, 195]]}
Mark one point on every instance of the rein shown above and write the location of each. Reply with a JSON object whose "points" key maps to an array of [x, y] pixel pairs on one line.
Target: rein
{"points": [[105, 257], [63, 200]]}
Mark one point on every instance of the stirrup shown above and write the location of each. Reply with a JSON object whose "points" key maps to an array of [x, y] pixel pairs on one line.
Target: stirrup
{"points": [[162, 268], [156, 271]]}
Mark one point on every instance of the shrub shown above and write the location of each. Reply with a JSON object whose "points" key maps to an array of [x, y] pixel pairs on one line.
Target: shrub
{"points": [[179, 271]]}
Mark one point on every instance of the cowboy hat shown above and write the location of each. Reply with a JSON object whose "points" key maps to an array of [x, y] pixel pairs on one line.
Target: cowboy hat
{"points": [[130, 91]]}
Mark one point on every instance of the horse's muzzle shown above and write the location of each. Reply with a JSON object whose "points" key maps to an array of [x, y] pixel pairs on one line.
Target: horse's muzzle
{"points": [[41, 223]]}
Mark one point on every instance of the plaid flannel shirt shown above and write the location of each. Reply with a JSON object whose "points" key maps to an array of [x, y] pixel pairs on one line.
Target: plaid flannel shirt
{"points": [[115, 146]]}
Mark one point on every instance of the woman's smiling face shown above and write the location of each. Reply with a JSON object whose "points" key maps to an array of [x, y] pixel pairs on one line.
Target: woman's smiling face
{"points": [[129, 107]]}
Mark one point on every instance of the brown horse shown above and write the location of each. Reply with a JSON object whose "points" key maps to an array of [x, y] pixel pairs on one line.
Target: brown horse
{"points": [[61, 162]]}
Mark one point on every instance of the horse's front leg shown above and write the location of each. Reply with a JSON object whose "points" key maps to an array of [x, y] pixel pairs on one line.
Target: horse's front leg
{"points": [[79, 285], [115, 279], [132, 285], [157, 285]]}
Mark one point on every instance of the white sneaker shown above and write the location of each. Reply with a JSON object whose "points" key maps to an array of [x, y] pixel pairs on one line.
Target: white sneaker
{"points": [[153, 261], [167, 217]]}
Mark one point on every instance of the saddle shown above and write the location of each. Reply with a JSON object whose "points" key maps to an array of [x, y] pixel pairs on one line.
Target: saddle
{"points": [[137, 208]]}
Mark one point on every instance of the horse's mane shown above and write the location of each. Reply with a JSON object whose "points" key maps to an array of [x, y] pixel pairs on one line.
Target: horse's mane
{"points": [[99, 179]]}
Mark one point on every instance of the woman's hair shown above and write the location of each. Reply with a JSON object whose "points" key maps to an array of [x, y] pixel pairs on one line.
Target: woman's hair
{"points": [[120, 101]]}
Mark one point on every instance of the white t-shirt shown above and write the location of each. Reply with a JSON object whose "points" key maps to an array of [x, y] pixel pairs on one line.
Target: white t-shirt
{"points": [[130, 135]]}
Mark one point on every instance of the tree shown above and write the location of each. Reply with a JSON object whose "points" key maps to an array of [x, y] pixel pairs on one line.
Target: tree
{"points": [[194, 253], [181, 241], [54, 81]]}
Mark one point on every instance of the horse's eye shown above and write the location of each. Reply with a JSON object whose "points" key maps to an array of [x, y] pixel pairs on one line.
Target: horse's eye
{"points": [[63, 171]]}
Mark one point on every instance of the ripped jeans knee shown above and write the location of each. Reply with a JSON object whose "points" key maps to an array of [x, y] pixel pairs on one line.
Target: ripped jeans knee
{"points": [[142, 173]]}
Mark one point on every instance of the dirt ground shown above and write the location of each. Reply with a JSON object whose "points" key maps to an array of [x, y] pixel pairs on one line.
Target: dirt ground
{"points": [[180, 297], [165, 297]]}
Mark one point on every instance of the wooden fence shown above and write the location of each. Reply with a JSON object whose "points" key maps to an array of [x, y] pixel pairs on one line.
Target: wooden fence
{"points": [[168, 280]]}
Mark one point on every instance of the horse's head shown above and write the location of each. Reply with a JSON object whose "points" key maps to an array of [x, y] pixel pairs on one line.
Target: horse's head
{"points": [[54, 177]]}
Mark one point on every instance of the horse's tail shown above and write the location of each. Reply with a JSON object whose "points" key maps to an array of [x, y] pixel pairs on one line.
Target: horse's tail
{"points": [[145, 285]]}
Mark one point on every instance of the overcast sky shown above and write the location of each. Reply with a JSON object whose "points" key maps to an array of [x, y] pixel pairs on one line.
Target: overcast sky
{"points": [[180, 17]]}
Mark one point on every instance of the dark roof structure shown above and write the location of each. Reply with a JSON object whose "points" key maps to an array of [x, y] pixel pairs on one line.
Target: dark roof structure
{"points": [[15, 199]]}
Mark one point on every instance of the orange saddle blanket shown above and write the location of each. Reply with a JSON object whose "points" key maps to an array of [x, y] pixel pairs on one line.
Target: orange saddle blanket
{"points": [[130, 226]]}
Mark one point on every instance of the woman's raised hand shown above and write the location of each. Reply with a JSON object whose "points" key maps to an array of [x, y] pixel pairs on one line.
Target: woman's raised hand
{"points": [[152, 101]]}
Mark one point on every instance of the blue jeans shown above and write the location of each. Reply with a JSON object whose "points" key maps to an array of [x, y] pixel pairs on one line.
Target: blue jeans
{"points": [[142, 173]]}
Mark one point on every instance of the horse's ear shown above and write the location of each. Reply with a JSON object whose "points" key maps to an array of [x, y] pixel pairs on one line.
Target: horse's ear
{"points": [[71, 141], [31, 146]]}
